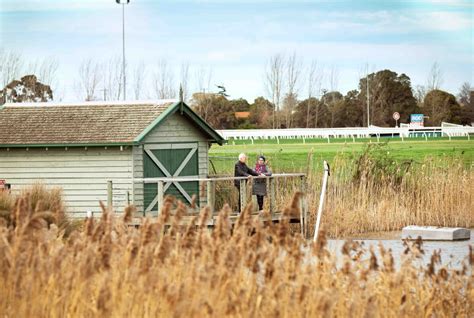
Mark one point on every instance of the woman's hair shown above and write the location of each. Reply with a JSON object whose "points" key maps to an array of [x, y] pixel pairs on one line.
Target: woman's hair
{"points": [[261, 157]]}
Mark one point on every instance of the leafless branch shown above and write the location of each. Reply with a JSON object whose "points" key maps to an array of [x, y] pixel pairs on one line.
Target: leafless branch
{"points": [[274, 81], [163, 81], [89, 79], [139, 74], [435, 77], [184, 79], [11, 64]]}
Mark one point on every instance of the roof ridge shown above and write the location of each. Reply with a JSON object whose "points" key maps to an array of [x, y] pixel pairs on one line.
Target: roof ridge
{"points": [[93, 103]]}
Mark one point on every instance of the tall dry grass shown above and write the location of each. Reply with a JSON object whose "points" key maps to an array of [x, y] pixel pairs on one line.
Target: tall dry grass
{"points": [[374, 192], [32, 200], [108, 269]]}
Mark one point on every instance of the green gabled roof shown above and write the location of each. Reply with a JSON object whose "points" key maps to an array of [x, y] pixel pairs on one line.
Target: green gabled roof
{"points": [[185, 110], [89, 123]]}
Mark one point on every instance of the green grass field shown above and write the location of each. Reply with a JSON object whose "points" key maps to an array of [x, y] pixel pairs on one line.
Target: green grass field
{"points": [[293, 155]]}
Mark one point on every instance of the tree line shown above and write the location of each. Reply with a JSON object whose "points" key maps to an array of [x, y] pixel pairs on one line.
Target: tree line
{"points": [[296, 95]]}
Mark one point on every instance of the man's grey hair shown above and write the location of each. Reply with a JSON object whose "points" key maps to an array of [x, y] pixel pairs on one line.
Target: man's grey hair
{"points": [[242, 155]]}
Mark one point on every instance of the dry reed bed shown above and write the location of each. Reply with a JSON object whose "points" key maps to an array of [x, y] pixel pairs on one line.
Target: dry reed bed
{"points": [[363, 198], [108, 269], [373, 192]]}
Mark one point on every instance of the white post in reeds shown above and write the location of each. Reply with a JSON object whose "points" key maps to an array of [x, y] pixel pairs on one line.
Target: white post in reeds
{"points": [[321, 200]]}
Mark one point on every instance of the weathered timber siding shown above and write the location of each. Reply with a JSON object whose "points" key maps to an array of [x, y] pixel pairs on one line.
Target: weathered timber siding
{"points": [[81, 173], [175, 129]]}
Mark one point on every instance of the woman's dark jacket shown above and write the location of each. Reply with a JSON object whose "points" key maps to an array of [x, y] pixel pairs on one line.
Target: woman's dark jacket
{"points": [[241, 170], [260, 185]]}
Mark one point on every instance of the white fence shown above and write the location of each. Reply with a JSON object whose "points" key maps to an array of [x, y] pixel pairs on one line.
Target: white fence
{"points": [[445, 130]]}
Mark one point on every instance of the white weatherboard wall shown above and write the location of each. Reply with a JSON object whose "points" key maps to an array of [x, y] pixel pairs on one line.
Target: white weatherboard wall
{"points": [[81, 173], [175, 129]]}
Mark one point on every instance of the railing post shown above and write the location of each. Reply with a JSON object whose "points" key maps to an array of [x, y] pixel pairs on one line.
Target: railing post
{"points": [[269, 193], [271, 181], [161, 194], [211, 195], [109, 194], [243, 195], [303, 209]]}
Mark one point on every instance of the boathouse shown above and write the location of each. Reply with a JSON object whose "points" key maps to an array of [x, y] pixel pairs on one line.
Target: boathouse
{"points": [[85, 147]]}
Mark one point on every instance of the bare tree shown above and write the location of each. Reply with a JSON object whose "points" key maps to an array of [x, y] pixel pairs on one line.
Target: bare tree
{"points": [[315, 77], [465, 93], [293, 72], [89, 79], [367, 73], [333, 78], [203, 79], [203, 98], [45, 69], [139, 74], [274, 82], [184, 80], [200, 79], [333, 84], [435, 77], [112, 78], [11, 65], [163, 81], [419, 92]]}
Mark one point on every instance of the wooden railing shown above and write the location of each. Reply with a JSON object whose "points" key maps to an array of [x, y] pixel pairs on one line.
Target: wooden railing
{"points": [[211, 186], [210, 193], [208, 196]]}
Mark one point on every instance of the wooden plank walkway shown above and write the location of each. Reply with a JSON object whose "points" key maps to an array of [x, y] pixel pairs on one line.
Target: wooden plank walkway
{"points": [[212, 221]]}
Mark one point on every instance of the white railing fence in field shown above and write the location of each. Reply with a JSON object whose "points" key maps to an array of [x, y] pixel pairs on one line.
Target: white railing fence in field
{"points": [[406, 131]]}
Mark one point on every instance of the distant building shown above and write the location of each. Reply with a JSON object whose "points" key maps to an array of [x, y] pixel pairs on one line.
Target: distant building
{"points": [[242, 115]]}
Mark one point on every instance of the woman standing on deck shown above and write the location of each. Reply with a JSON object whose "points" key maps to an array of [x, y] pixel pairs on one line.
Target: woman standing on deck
{"points": [[260, 185]]}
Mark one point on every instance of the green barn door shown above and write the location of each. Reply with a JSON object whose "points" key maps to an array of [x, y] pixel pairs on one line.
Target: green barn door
{"points": [[170, 160]]}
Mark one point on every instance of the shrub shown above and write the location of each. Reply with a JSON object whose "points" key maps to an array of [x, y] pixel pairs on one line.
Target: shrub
{"points": [[375, 164], [32, 200]]}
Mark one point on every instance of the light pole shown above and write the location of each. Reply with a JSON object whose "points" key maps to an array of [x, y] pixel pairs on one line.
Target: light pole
{"points": [[123, 3], [368, 98]]}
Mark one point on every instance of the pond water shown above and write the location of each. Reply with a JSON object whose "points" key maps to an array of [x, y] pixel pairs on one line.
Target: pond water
{"points": [[453, 253]]}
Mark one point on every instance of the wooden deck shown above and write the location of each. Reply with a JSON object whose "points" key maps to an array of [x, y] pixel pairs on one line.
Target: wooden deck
{"points": [[212, 221], [208, 198]]}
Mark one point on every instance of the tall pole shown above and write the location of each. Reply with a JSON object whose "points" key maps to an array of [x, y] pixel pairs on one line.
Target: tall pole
{"points": [[123, 53], [368, 99]]}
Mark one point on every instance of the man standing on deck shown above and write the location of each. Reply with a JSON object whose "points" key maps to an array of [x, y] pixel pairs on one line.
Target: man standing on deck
{"points": [[241, 170]]}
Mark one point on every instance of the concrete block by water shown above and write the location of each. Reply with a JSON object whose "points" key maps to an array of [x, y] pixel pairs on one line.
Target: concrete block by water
{"points": [[434, 233]]}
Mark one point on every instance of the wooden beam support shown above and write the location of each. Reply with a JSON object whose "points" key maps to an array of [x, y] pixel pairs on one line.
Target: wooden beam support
{"points": [[109, 194], [211, 195], [243, 195], [161, 195], [303, 208], [271, 192]]}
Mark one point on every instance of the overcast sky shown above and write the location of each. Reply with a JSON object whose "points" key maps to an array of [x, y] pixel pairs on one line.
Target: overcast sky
{"points": [[236, 38]]}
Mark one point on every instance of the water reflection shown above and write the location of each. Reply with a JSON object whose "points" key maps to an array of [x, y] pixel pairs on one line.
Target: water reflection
{"points": [[453, 253]]}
